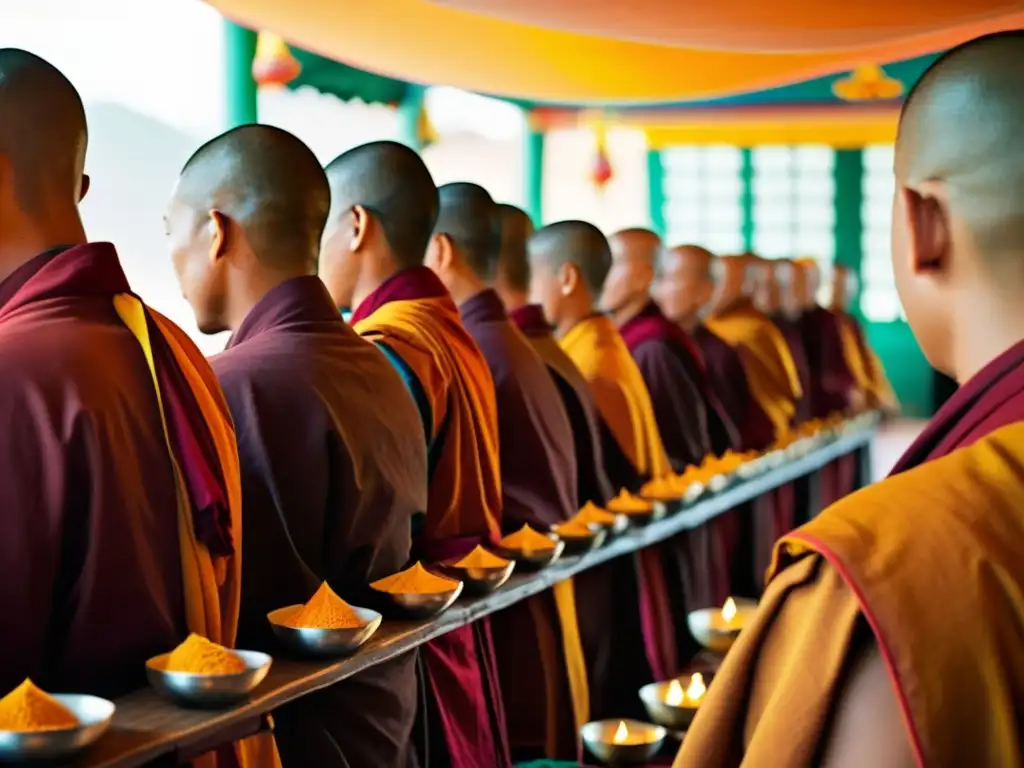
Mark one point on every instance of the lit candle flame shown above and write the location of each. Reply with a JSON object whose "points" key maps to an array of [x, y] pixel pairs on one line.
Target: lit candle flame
{"points": [[675, 695], [696, 689], [621, 733], [729, 610]]}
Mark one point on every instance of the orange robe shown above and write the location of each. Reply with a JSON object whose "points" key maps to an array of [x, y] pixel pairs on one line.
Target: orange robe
{"points": [[868, 374], [925, 565], [599, 351], [412, 318]]}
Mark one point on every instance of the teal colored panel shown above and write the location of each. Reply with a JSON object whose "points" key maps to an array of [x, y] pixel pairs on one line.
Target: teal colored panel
{"points": [[533, 175], [239, 49], [346, 82], [747, 198], [905, 365], [656, 191]]}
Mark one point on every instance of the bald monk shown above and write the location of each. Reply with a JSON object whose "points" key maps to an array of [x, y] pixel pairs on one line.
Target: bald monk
{"points": [[782, 301], [851, 659], [872, 387], [120, 491], [537, 641], [331, 481], [831, 381], [684, 292], [384, 206], [569, 262], [511, 282], [663, 353]]}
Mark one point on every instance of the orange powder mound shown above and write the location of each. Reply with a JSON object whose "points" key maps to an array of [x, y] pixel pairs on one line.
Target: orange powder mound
{"points": [[626, 502], [527, 540], [199, 656], [663, 487], [573, 528], [591, 513], [416, 580], [27, 708], [325, 610], [481, 558]]}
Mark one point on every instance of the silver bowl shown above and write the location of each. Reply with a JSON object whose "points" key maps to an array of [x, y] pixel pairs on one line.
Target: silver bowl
{"points": [[213, 691], [93, 715], [581, 545], [599, 738], [718, 639], [662, 713], [749, 469], [322, 643], [478, 581], [719, 483], [534, 559], [414, 605]]}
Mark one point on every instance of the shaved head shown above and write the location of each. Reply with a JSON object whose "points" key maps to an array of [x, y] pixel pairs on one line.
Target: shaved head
{"points": [[961, 125], [469, 217], [513, 267], [574, 242], [392, 183], [42, 132], [697, 258], [267, 181], [636, 242]]}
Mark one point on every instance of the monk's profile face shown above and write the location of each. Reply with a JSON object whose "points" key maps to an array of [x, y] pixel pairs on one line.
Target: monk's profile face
{"points": [[196, 241], [340, 263], [632, 271], [546, 290], [683, 285]]}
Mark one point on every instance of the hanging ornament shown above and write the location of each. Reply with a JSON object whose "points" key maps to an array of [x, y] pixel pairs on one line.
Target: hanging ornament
{"points": [[273, 65], [425, 129], [601, 170], [868, 82]]}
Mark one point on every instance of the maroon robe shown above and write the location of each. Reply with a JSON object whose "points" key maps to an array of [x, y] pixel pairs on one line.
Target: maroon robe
{"points": [[610, 630], [91, 566], [331, 481], [792, 332], [538, 484]]}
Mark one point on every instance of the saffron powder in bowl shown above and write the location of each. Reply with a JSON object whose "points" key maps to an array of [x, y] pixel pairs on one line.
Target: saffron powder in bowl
{"points": [[29, 709]]}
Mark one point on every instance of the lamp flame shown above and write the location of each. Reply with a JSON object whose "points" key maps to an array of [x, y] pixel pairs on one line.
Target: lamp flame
{"points": [[675, 695], [729, 610], [621, 733], [696, 689]]}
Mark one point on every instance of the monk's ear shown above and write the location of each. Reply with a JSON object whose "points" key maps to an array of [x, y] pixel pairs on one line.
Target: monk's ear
{"points": [[84, 189], [218, 235], [360, 227], [440, 253], [569, 278], [927, 227]]}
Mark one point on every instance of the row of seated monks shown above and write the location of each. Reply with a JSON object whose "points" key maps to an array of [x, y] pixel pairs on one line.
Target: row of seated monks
{"points": [[489, 375]]}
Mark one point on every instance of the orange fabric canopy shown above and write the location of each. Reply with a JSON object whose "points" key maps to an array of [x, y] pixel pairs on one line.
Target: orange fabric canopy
{"points": [[426, 43], [745, 25]]}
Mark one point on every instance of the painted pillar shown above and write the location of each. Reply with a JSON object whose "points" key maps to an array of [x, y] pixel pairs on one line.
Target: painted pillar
{"points": [[239, 50], [747, 198], [849, 210], [656, 191], [409, 110], [533, 172]]}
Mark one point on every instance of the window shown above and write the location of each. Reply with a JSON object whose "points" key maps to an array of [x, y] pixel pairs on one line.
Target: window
{"points": [[703, 197], [879, 302], [794, 202]]}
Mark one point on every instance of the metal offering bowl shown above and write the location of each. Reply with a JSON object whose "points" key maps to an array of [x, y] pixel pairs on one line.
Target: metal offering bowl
{"points": [[599, 738], [719, 483], [619, 527], [93, 714], [707, 626], [662, 713], [580, 545], [311, 641], [639, 518], [749, 469], [478, 581], [193, 690], [415, 605], [534, 559]]}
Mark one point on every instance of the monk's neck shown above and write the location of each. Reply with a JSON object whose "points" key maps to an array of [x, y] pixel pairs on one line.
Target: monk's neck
{"points": [[464, 287], [630, 309], [571, 319], [512, 299], [23, 246], [983, 334], [690, 323], [243, 301]]}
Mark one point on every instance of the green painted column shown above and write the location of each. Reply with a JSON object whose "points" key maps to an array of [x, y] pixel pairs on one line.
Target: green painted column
{"points": [[239, 50], [533, 174], [849, 207], [409, 111], [656, 191], [747, 198]]}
